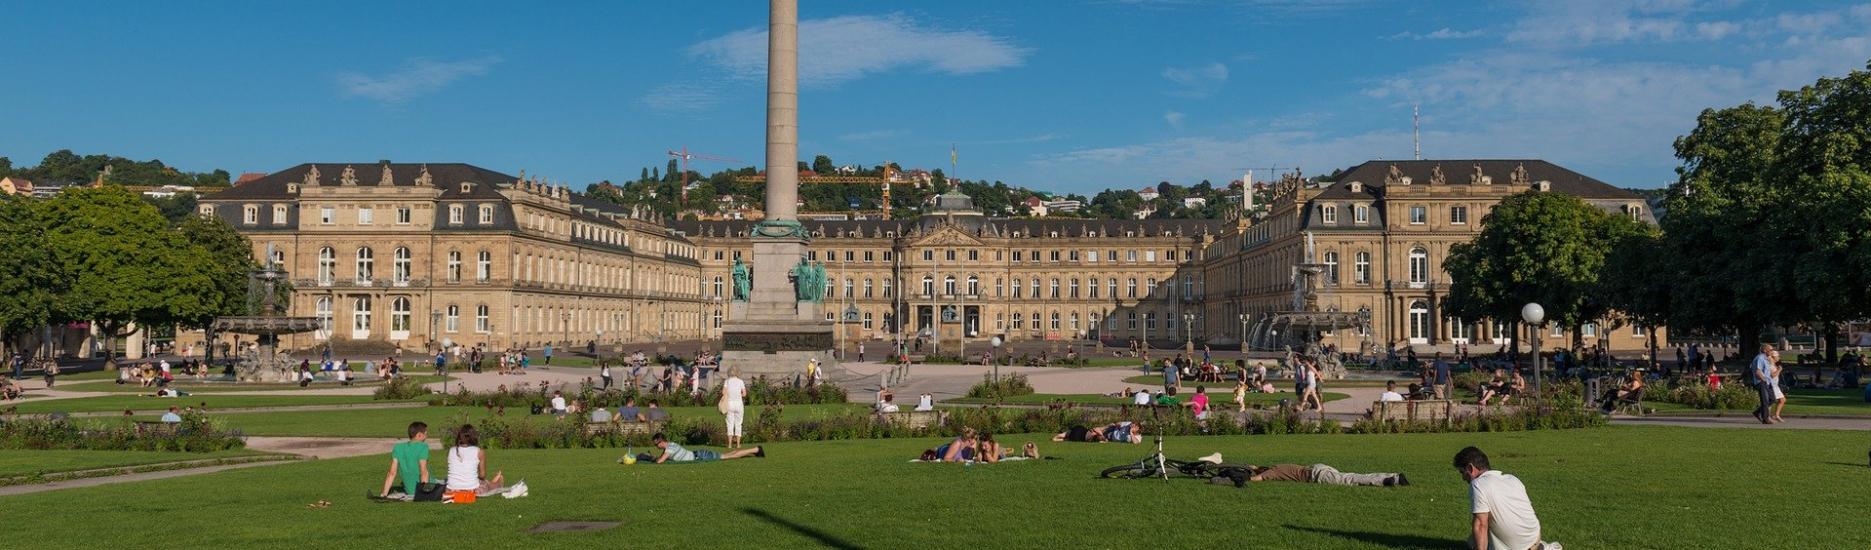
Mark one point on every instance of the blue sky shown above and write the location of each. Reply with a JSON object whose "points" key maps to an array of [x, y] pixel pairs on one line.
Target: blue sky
{"points": [[1055, 95]]}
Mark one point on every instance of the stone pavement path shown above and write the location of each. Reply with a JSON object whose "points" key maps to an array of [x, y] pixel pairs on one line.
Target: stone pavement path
{"points": [[304, 447]]}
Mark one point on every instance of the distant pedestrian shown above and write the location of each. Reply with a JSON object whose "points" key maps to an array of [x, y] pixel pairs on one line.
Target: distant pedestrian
{"points": [[51, 373], [733, 405], [1763, 373], [1443, 382], [547, 353], [604, 373], [860, 352]]}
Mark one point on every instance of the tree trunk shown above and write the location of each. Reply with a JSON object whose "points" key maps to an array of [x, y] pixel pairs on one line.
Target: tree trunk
{"points": [[1750, 339], [1832, 343], [1513, 343], [1654, 360]]}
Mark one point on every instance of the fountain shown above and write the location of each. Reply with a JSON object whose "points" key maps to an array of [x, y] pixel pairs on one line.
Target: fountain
{"points": [[1302, 326], [266, 305]]}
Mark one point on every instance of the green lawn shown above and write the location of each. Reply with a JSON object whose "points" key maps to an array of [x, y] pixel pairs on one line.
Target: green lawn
{"points": [[1621, 487], [140, 402], [1216, 398], [25, 462], [1799, 402], [391, 422]]}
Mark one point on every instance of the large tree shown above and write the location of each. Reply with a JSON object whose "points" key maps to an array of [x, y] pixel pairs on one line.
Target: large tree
{"points": [[1824, 167], [32, 281], [1635, 284], [122, 263], [1537, 247], [1724, 228]]}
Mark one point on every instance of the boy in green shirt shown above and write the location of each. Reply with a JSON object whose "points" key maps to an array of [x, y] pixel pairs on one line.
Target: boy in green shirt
{"points": [[411, 460]]}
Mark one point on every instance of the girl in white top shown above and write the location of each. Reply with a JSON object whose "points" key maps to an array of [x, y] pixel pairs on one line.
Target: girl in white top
{"points": [[734, 405], [467, 465]]}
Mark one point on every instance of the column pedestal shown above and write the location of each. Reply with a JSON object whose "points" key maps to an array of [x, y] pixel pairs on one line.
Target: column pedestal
{"points": [[774, 333]]}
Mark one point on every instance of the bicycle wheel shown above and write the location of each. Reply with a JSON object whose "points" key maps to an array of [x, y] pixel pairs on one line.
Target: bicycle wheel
{"points": [[1130, 471]]}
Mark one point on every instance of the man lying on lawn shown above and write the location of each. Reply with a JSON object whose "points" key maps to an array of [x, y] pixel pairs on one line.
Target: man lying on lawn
{"points": [[673, 452], [1240, 475]]}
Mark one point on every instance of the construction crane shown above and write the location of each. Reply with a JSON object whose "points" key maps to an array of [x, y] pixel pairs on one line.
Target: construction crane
{"points": [[685, 155]]}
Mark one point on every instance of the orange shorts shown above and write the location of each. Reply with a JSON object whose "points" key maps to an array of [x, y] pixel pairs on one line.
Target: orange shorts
{"points": [[460, 497]]}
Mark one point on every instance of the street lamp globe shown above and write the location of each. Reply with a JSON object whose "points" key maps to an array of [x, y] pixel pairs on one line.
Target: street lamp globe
{"points": [[1532, 313]]}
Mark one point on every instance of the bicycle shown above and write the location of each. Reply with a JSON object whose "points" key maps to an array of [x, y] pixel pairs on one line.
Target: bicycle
{"points": [[1159, 465]]}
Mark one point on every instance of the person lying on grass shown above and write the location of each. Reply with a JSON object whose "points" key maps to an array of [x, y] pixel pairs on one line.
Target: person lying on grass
{"points": [[962, 449], [673, 452], [1241, 474], [409, 462], [989, 450], [1121, 432]]}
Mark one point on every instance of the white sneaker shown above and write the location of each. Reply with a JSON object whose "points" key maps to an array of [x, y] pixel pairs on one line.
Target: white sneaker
{"points": [[516, 491], [1551, 546], [1211, 459]]}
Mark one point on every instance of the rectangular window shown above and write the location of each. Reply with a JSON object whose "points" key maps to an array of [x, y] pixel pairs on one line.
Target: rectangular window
{"points": [[974, 255], [250, 215], [404, 215], [1329, 214], [1072, 256], [888, 255], [279, 214], [1016, 256], [454, 214], [327, 215], [1149, 255], [1091, 256], [1055, 256], [928, 255], [1458, 215], [869, 256], [1361, 214], [364, 216], [1419, 215], [487, 214]]}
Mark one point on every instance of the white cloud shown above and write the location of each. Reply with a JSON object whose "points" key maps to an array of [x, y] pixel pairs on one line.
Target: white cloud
{"points": [[681, 98], [1174, 119], [1198, 81], [1444, 33], [1577, 23], [1038, 138], [839, 49], [417, 76]]}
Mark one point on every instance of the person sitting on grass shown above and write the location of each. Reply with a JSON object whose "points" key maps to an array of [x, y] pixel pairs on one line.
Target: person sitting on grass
{"points": [[409, 462], [558, 403], [886, 401], [1493, 388], [1241, 475], [655, 414], [467, 468], [962, 449], [1168, 399], [601, 415], [1503, 515], [1142, 397], [629, 412], [10, 389], [673, 452], [172, 417], [925, 402]]}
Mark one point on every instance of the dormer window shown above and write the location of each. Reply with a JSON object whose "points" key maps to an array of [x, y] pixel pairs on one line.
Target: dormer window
{"points": [[1328, 214], [250, 214], [292, 187], [467, 187], [206, 210], [487, 214], [454, 214], [1361, 214]]}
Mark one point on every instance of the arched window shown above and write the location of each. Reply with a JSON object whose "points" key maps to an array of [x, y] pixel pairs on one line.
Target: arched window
{"points": [[454, 266], [322, 310], [366, 265], [1035, 288], [1074, 288], [1331, 268], [483, 266], [1188, 287], [868, 285], [1361, 272], [400, 265], [452, 322], [1091, 287], [1419, 267], [1055, 321], [1111, 286], [1074, 322], [1130, 288], [1151, 290], [928, 285], [1055, 288], [974, 285], [1419, 322], [948, 285], [1019, 321], [887, 288], [360, 317], [1036, 320], [399, 318], [327, 266], [1018, 290], [850, 284], [716, 288]]}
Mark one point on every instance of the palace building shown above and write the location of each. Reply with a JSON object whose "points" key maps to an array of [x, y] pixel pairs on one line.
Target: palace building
{"points": [[405, 255]]}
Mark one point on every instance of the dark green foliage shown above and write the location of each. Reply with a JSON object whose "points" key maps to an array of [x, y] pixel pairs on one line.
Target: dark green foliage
{"points": [[196, 433], [989, 388], [401, 388]]}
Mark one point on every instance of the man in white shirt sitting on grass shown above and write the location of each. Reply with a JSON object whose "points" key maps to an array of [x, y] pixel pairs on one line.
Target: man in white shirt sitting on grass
{"points": [[1504, 518]]}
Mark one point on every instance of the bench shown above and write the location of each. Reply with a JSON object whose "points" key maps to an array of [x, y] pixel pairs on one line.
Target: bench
{"points": [[1431, 410], [622, 428], [913, 419]]}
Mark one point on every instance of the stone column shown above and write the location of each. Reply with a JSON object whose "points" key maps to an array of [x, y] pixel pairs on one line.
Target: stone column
{"points": [[783, 110]]}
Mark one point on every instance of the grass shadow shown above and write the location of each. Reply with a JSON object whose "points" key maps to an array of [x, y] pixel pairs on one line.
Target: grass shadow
{"points": [[1850, 464], [822, 537], [1387, 540]]}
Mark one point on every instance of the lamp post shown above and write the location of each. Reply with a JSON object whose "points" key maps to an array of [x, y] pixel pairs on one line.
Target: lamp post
{"points": [[1535, 315], [1244, 317], [994, 357], [1188, 333], [565, 329], [600, 346], [435, 318]]}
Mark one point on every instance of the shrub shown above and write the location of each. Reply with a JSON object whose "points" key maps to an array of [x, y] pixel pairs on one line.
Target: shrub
{"points": [[196, 433], [1010, 385], [399, 389]]}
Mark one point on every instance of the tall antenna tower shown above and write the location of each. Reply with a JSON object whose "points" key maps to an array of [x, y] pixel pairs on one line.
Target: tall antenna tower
{"points": [[1416, 140]]}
